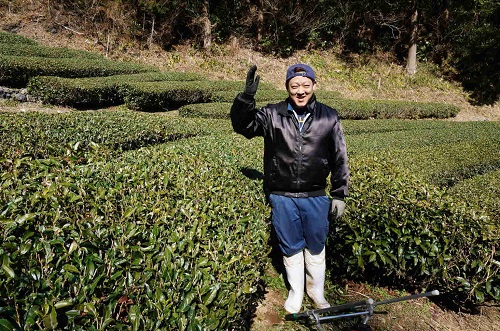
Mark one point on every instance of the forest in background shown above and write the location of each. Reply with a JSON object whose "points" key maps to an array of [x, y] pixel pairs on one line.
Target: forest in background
{"points": [[460, 37]]}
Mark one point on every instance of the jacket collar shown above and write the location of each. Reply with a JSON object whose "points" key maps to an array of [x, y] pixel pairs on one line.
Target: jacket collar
{"points": [[283, 107]]}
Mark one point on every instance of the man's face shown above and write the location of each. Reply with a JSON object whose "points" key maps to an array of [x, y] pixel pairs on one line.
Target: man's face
{"points": [[300, 90]]}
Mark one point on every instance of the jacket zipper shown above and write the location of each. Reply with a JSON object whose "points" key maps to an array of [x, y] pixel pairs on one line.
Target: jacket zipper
{"points": [[300, 142]]}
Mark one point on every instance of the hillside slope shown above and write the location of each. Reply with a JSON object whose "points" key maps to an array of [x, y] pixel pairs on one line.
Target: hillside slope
{"points": [[354, 76]]}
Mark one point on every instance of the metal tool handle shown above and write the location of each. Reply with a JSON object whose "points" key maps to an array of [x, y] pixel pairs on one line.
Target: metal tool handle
{"points": [[409, 297]]}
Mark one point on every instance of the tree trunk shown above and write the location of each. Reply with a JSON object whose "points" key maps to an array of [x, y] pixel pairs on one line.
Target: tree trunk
{"points": [[260, 20], [411, 65], [206, 26]]}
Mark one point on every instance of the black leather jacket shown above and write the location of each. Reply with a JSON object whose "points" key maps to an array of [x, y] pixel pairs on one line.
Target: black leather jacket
{"points": [[296, 161]]}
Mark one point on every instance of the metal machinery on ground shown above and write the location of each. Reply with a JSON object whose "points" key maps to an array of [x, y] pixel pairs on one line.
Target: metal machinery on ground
{"points": [[363, 309]]}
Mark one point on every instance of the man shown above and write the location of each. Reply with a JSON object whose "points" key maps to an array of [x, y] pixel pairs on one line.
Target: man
{"points": [[303, 144]]}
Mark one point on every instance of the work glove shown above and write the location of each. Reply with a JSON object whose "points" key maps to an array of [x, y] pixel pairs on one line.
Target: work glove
{"points": [[337, 208], [252, 82]]}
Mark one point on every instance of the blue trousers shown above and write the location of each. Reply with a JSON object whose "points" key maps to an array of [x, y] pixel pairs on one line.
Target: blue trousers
{"points": [[300, 223]]}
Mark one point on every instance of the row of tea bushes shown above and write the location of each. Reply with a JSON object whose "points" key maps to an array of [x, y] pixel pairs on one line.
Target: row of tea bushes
{"points": [[448, 164], [41, 135], [156, 239], [400, 166], [29, 50], [16, 71], [164, 96], [15, 39], [387, 109], [482, 191], [172, 235], [445, 154], [152, 91], [266, 95], [347, 109], [95, 92], [369, 136], [401, 231]]}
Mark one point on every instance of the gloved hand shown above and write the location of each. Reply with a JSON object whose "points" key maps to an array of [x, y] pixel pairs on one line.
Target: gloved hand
{"points": [[252, 81], [337, 208]]}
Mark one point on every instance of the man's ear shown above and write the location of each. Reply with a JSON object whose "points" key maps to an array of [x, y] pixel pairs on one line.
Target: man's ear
{"points": [[314, 85]]}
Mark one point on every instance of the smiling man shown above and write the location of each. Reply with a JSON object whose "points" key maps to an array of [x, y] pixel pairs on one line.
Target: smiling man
{"points": [[303, 145]]}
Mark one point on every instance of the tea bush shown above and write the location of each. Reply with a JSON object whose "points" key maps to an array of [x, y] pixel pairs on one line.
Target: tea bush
{"points": [[386, 109], [141, 242], [448, 164], [95, 91], [29, 50], [442, 153], [39, 135], [17, 70], [77, 93], [267, 95], [482, 191], [356, 110], [110, 221], [401, 230], [164, 96], [215, 110], [15, 39]]}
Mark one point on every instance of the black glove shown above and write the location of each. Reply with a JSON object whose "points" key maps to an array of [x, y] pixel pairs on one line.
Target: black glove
{"points": [[252, 81]]}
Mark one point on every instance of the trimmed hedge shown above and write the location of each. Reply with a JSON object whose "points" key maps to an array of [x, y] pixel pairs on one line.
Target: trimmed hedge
{"points": [[214, 110], [81, 134], [17, 70], [15, 39], [165, 237], [95, 91], [396, 110], [424, 136], [401, 231], [147, 90], [267, 95], [141, 242], [33, 50], [448, 164], [481, 191], [164, 96], [386, 109]]}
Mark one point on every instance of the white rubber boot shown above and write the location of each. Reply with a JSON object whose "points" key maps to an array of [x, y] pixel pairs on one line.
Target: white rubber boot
{"points": [[294, 266], [315, 278]]}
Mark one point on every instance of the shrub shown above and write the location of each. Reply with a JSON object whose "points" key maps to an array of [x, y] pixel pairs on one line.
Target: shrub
{"points": [[34, 50], [399, 230], [75, 92], [12, 38], [212, 110], [40, 135], [261, 96], [17, 70], [95, 91], [164, 96], [480, 192], [381, 109], [152, 240]]}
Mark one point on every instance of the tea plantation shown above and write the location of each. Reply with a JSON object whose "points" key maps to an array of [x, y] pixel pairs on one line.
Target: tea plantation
{"points": [[128, 220]]}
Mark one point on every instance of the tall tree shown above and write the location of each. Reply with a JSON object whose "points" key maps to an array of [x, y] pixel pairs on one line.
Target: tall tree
{"points": [[411, 65], [206, 25]]}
